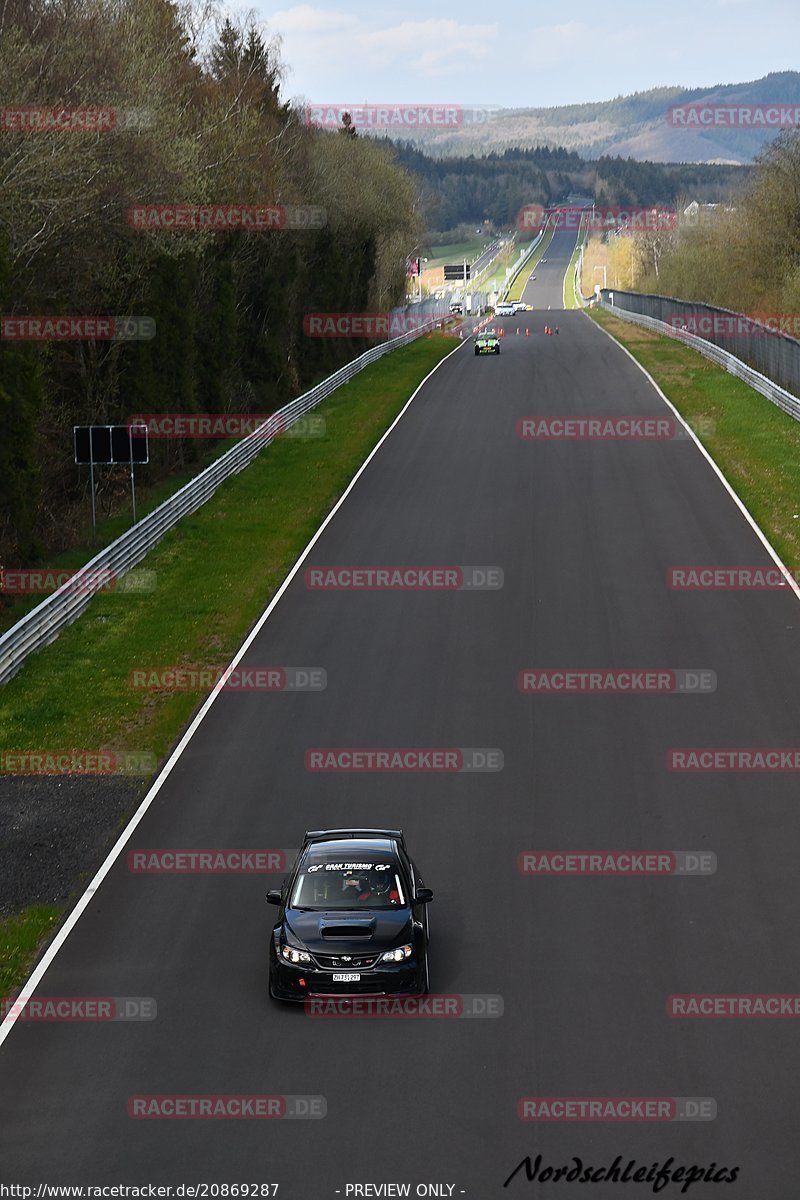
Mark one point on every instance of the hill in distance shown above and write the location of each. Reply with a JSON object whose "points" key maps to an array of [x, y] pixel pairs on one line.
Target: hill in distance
{"points": [[634, 126]]}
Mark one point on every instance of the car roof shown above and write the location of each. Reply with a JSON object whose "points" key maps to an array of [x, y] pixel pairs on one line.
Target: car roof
{"points": [[379, 849]]}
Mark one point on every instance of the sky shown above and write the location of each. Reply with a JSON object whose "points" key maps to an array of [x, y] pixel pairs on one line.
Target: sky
{"points": [[524, 55]]}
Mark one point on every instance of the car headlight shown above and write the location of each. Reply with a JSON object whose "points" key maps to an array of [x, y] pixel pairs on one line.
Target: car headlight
{"points": [[293, 955], [398, 955]]}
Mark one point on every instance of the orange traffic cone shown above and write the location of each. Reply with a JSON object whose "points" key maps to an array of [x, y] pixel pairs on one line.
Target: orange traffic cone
{"points": [[527, 333]]}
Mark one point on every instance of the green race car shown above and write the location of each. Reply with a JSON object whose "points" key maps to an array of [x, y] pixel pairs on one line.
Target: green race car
{"points": [[487, 343]]}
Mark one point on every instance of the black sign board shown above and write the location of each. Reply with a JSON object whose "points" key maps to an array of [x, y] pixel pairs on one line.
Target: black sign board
{"points": [[105, 444]]}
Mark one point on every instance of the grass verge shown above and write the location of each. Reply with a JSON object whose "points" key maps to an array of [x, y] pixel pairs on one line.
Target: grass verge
{"points": [[20, 936], [754, 443], [214, 573]]}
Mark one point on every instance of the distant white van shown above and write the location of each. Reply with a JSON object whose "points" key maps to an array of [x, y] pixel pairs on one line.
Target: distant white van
{"points": [[504, 310]]}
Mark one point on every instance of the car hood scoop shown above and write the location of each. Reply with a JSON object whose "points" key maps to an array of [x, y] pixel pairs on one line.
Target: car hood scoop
{"points": [[338, 927], [350, 932]]}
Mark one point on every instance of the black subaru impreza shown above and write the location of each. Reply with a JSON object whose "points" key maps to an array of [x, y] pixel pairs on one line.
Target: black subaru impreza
{"points": [[353, 919]]}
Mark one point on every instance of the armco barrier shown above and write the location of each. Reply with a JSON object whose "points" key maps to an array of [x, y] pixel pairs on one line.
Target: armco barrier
{"points": [[577, 291], [777, 354], [43, 623]]}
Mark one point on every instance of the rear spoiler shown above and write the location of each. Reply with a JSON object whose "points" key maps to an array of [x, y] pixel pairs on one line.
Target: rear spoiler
{"points": [[316, 835]]}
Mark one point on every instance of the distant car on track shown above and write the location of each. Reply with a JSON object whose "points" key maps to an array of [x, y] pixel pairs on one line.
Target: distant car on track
{"points": [[487, 343], [353, 919], [504, 309]]}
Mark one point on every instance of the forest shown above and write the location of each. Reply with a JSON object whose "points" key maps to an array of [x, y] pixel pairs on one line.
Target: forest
{"points": [[197, 119]]}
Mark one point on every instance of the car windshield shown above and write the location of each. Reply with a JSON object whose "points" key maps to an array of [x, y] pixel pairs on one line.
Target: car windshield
{"points": [[350, 885]]}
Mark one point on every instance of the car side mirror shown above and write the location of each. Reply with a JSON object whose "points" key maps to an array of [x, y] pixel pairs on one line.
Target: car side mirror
{"points": [[424, 896], [274, 897]]}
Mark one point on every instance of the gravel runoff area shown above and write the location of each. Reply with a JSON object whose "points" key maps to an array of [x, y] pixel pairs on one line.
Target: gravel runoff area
{"points": [[55, 833]]}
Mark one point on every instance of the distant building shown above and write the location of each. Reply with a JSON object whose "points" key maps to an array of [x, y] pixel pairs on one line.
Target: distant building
{"points": [[695, 212]]}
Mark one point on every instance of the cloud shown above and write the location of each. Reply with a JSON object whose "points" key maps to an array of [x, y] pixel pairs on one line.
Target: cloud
{"points": [[329, 38], [428, 45], [304, 19]]}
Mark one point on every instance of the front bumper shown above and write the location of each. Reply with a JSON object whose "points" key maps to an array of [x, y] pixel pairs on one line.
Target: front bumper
{"points": [[387, 979]]}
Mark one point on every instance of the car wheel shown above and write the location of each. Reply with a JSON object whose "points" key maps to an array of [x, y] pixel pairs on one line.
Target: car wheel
{"points": [[497, 349], [477, 351]]}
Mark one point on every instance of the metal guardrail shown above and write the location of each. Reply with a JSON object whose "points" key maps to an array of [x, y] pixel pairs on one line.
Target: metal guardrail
{"points": [[577, 290], [723, 358], [43, 623], [576, 286], [770, 356]]}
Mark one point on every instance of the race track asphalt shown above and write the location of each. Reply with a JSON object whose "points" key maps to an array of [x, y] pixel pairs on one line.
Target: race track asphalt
{"points": [[584, 532]]}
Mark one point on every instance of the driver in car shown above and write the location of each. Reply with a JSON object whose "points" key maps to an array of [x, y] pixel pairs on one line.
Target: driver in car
{"points": [[357, 886]]}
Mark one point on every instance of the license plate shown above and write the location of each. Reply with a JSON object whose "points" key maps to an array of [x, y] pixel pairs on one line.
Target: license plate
{"points": [[346, 977]]}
